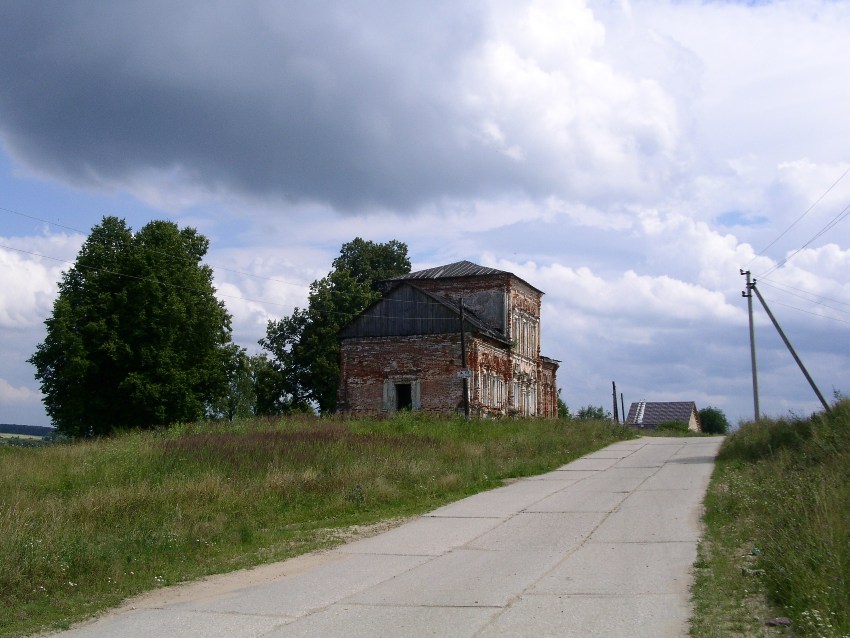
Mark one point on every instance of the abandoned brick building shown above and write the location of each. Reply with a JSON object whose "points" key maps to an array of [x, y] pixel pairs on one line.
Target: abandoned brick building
{"points": [[405, 350]]}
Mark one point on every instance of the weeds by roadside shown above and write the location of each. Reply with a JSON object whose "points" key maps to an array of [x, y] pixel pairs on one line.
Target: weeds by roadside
{"points": [[87, 524], [673, 433], [777, 540]]}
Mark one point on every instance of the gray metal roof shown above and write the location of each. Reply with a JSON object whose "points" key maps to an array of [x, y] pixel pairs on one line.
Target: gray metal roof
{"points": [[652, 413], [456, 270]]}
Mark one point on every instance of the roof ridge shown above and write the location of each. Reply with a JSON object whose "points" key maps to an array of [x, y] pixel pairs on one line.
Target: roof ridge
{"points": [[463, 268]]}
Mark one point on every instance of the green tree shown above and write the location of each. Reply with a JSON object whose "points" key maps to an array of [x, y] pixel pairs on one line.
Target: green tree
{"points": [[271, 398], [563, 409], [137, 337], [253, 389], [713, 421], [304, 347], [593, 413], [240, 397], [369, 263]]}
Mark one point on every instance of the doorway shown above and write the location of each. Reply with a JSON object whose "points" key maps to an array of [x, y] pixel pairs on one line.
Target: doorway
{"points": [[403, 396]]}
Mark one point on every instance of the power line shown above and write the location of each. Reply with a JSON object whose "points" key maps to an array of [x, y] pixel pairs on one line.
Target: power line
{"points": [[136, 277], [38, 219], [809, 312], [812, 297], [176, 257], [218, 293], [160, 252], [829, 226], [807, 211], [788, 345]]}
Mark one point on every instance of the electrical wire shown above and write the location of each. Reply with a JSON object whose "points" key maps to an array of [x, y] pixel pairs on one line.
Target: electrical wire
{"points": [[794, 223], [327, 313], [338, 294], [808, 312], [136, 277], [840, 217], [160, 252], [813, 298]]}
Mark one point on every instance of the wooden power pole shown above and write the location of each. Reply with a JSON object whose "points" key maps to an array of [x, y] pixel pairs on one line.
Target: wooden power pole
{"points": [[616, 413], [748, 293], [790, 348]]}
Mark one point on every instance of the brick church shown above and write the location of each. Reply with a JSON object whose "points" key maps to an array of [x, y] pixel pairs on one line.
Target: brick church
{"points": [[405, 351]]}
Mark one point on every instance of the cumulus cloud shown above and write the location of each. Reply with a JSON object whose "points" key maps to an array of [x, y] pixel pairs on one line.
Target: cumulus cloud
{"points": [[573, 124], [359, 108], [29, 272], [262, 284], [20, 403], [10, 394], [619, 156], [829, 261]]}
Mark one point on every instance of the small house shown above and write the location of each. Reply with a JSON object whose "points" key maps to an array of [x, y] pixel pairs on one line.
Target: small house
{"points": [[651, 414]]}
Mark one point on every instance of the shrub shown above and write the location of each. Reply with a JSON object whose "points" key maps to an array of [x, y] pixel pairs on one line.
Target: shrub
{"points": [[593, 413], [673, 426], [713, 421]]}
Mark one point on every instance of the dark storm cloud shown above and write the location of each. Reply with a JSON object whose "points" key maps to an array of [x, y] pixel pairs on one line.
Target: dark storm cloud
{"points": [[353, 104]]}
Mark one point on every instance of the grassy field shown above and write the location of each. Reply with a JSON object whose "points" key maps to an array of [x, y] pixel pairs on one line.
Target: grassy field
{"points": [[777, 538], [85, 525]]}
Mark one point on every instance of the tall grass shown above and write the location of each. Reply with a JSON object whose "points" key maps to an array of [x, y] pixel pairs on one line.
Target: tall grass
{"points": [[778, 529], [85, 525]]}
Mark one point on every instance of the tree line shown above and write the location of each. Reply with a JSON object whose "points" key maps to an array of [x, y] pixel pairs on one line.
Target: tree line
{"points": [[137, 338], [712, 420]]}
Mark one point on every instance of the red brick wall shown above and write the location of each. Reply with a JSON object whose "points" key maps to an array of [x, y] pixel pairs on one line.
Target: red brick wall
{"points": [[433, 360], [457, 287], [548, 390]]}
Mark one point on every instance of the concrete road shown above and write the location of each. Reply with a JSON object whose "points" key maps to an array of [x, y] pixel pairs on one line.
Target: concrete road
{"points": [[600, 547]]}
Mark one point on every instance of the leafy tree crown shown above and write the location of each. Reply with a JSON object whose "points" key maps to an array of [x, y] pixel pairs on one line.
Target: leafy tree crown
{"points": [[304, 347], [136, 337], [713, 421]]}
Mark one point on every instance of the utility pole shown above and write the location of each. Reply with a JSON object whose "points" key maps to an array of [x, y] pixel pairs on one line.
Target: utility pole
{"points": [[616, 414], [623, 405], [790, 348], [749, 295], [463, 363]]}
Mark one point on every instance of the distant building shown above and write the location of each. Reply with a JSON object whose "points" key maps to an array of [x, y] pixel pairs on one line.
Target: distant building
{"points": [[404, 351], [646, 414]]}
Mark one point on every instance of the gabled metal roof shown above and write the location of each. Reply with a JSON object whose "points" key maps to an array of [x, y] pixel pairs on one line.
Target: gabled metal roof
{"points": [[456, 270], [650, 414]]}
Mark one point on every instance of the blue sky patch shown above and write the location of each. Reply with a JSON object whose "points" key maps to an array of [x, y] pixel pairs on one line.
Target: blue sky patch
{"points": [[739, 218]]}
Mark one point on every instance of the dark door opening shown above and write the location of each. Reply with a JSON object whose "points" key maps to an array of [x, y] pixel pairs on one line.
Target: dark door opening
{"points": [[403, 396]]}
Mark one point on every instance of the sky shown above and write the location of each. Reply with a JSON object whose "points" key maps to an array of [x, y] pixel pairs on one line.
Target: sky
{"points": [[628, 158]]}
